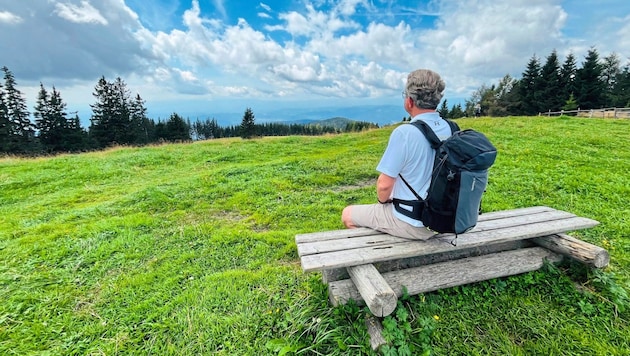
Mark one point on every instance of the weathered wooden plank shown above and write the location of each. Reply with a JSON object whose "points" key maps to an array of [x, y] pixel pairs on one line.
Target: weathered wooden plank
{"points": [[494, 224], [534, 229], [348, 233], [335, 274], [451, 273], [310, 248], [577, 249], [333, 235], [513, 212], [350, 242], [377, 294], [406, 249]]}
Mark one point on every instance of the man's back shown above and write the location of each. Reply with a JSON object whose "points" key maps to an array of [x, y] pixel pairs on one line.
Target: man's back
{"points": [[409, 154]]}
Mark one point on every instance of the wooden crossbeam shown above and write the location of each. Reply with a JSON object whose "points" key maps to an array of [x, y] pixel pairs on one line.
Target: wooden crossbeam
{"points": [[450, 273], [577, 249]]}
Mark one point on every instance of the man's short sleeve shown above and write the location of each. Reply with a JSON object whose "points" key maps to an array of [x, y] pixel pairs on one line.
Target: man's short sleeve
{"points": [[393, 159]]}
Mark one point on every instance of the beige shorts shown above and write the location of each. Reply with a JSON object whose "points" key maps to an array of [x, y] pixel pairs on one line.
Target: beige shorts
{"points": [[380, 217]]}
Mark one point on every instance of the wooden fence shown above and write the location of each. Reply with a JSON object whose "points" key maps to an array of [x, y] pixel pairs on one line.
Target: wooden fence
{"points": [[598, 113]]}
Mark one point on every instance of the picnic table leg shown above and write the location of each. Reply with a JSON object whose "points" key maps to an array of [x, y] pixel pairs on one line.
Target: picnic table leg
{"points": [[377, 294]]}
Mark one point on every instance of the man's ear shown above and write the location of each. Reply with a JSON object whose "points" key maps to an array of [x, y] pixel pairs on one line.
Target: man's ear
{"points": [[408, 104]]}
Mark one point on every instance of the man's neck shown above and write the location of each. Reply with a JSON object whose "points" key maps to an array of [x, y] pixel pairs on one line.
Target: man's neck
{"points": [[417, 111]]}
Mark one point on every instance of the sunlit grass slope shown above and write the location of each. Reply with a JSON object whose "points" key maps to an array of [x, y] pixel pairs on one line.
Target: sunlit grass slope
{"points": [[188, 249]]}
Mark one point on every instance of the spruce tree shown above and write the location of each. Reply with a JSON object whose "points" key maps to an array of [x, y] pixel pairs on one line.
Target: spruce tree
{"points": [[568, 76], [456, 112], [590, 85], [176, 129], [111, 114], [550, 94], [530, 86], [21, 129], [101, 130], [570, 104], [75, 136], [205, 130], [5, 123], [213, 129], [611, 70], [443, 110], [248, 126], [621, 91], [141, 126], [50, 119], [46, 122], [57, 133]]}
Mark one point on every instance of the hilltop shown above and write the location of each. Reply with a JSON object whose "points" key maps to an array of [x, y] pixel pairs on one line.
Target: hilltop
{"points": [[189, 248]]}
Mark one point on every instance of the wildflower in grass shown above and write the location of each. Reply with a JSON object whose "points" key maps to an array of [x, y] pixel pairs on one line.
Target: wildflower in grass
{"points": [[437, 318]]}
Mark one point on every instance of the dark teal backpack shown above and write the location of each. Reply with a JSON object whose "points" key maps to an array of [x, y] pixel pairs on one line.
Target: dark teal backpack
{"points": [[458, 181]]}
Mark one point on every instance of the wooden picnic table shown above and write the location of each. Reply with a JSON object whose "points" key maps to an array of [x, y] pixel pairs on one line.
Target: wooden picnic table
{"points": [[374, 268]]}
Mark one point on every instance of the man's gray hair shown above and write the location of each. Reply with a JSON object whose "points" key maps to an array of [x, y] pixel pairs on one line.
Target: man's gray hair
{"points": [[426, 88]]}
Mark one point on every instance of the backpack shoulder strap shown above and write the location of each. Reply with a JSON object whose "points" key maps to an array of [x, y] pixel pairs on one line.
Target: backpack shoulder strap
{"points": [[409, 186], [428, 133], [453, 125]]}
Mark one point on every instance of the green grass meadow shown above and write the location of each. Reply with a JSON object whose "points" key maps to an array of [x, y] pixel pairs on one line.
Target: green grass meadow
{"points": [[188, 249]]}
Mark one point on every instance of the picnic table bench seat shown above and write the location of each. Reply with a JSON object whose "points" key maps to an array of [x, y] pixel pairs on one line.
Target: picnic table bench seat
{"points": [[374, 268]]}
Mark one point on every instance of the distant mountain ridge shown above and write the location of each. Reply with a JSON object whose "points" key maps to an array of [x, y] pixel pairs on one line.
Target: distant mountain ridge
{"points": [[336, 122], [378, 114]]}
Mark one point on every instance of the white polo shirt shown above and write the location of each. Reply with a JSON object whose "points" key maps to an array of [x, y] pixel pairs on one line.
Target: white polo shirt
{"points": [[409, 153]]}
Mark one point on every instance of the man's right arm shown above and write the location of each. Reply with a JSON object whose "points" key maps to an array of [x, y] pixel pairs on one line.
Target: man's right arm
{"points": [[384, 187]]}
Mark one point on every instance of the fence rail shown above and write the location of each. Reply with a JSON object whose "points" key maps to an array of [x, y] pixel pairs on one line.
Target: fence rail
{"points": [[599, 113]]}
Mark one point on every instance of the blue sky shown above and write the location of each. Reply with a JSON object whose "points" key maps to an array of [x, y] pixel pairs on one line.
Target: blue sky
{"points": [[291, 59]]}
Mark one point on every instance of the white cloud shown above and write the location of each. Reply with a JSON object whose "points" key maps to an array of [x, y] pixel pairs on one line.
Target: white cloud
{"points": [[382, 43], [218, 4], [348, 7], [346, 49], [623, 34], [53, 44], [314, 23], [479, 42], [266, 7], [9, 18], [188, 83], [300, 66], [84, 13]]}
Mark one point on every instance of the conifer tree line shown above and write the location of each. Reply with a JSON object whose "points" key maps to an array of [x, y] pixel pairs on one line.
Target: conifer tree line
{"points": [[118, 118], [554, 85]]}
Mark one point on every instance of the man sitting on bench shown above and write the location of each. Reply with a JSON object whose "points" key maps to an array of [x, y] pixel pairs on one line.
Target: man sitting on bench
{"points": [[409, 154]]}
